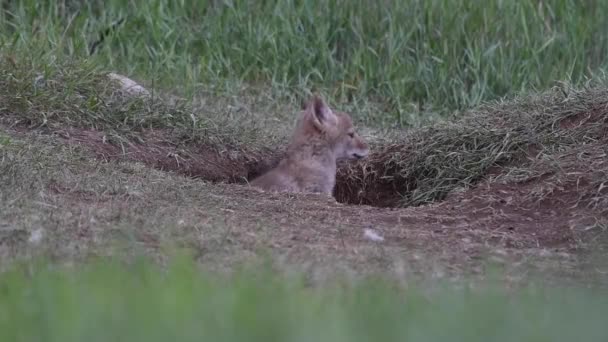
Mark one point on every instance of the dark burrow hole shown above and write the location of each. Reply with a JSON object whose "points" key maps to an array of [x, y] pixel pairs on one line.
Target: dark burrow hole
{"points": [[350, 188], [357, 183]]}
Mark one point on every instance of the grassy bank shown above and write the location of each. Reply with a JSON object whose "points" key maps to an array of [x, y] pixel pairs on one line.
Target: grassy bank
{"points": [[101, 302], [412, 57], [413, 167]]}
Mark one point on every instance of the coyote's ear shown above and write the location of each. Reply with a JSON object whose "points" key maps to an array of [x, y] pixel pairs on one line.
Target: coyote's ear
{"points": [[322, 116]]}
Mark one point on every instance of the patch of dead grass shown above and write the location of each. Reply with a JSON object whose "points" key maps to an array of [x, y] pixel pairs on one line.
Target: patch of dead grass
{"points": [[425, 165]]}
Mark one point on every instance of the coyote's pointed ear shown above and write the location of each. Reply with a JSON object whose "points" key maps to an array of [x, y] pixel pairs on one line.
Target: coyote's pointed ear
{"points": [[322, 116]]}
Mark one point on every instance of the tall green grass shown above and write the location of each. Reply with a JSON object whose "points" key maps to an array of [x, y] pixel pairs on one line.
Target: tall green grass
{"points": [[109, 302], [416, 56]]}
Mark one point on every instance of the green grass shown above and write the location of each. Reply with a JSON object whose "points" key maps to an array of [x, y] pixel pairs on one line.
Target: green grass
{"points": [[104, 301], [42, 91], [416, 58]]}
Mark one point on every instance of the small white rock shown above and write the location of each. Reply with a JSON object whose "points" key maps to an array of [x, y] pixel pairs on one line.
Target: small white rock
{"points": [[372, 235], [129, 86], [36, 236]]}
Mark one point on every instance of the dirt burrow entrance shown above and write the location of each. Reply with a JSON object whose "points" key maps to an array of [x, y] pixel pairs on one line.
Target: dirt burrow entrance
{"points": [[216, 165], [564, 190], [568, 179], [426, 168]]}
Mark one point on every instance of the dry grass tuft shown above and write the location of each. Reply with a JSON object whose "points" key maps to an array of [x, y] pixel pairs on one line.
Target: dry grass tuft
{"points": [[425, 165]]}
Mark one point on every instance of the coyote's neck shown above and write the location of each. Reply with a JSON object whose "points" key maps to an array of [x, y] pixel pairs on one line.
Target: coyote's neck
{"points": [[310, 153]]}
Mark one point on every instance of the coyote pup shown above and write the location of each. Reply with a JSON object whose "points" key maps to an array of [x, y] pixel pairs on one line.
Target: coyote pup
{"points": [[321, 137]]}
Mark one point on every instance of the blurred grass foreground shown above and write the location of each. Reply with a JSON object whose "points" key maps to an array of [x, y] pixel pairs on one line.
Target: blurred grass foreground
{"points": [[106, 301]]}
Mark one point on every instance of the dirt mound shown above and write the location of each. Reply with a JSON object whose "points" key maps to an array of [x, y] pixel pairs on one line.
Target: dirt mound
{"points": [[415, 167], [516, 181], [161, 150], [421, 167], [426, 165]]}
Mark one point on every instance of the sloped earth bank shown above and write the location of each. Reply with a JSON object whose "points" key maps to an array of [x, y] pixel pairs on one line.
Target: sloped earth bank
{"points": [[537, 211]]}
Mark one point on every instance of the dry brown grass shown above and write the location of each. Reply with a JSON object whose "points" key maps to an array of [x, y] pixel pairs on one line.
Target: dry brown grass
{"points": [[425, 165]]}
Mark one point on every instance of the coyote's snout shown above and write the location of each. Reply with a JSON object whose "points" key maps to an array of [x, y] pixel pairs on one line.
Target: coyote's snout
{"points": [[321, 137]]}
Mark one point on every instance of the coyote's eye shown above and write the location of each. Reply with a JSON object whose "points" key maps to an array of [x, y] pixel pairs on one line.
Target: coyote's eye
{"points": [[351, 134]]}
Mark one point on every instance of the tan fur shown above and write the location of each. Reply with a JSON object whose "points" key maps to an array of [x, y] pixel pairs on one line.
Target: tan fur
{"points": [[321, 137]]}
